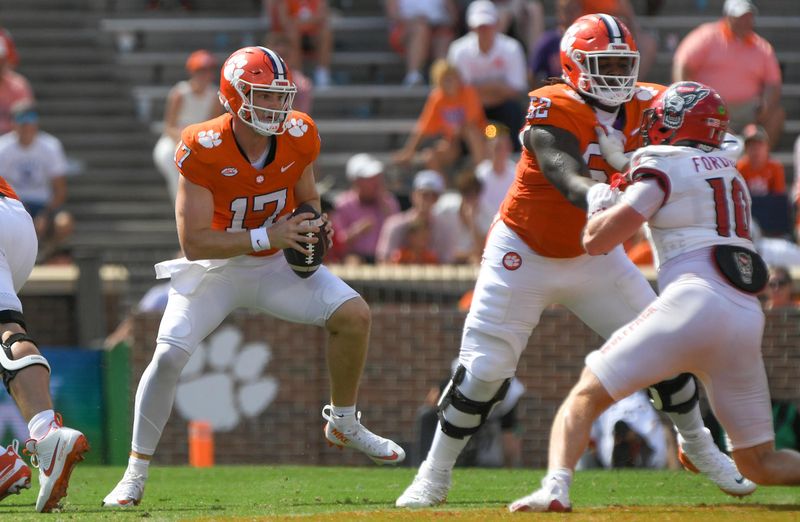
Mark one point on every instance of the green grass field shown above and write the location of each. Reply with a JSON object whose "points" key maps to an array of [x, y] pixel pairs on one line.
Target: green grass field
{"points": [[368, 493]]}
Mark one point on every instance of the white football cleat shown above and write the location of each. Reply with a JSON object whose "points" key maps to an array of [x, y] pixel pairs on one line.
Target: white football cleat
{"points": [[127, 493], [553, 496], [15, 475], [56, 455], [704, 457], [429, 488], [380, 450]]}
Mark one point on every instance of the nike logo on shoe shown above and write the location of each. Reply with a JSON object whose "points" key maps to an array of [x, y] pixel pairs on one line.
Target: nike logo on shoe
{"points": [[286, 167], [394, 456], [52, 460], [739, 480], [339, 436]]}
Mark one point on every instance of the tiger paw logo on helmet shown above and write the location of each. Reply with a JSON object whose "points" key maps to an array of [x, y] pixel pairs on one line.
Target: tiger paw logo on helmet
{"points": [[225, 381], [296, 127], [234, 68], [208, 139]]}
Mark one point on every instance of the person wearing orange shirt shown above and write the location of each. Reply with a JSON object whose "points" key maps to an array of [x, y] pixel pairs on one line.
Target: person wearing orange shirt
{"points": [[741, 65], [763, 174], [452, 117], [26, 373], [242, 175], [534, 257], [415, 249], [307, 24]]}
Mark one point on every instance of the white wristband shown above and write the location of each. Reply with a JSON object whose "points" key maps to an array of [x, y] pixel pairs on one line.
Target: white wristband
{"points": [[259, 239]]}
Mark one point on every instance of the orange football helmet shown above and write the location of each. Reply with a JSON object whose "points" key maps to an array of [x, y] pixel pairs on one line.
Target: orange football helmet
{"points": [[687, 112], [584, 46], [253, 70]]}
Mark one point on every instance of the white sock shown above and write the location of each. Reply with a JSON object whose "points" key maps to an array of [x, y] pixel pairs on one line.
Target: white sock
{"points": [[138, 466], [690, 425], [39, 425], [562, 475], [345, 416], [445, 450], [155, 396]]}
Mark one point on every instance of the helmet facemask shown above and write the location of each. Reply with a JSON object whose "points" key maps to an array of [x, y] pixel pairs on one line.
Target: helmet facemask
{"points": [[265, 120], [608, 89]]}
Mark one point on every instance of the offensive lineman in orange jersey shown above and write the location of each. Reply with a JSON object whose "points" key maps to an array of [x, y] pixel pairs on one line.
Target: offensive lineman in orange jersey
{"points": [[533, 256], [242, 174]]}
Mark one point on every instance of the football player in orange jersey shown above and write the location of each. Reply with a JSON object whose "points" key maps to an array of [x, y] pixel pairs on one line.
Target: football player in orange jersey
{"points": [[534, 258], [26, 373], [242, 174]]}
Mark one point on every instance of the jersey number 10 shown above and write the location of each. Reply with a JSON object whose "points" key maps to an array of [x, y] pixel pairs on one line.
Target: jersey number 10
{"points": [[741, 210]]}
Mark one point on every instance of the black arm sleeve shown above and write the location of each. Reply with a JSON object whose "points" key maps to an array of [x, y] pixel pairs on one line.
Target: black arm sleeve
{"points": [[558, 154]]}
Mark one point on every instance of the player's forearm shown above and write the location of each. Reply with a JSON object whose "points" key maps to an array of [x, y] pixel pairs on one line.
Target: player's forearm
{"points": [[215, 244]]}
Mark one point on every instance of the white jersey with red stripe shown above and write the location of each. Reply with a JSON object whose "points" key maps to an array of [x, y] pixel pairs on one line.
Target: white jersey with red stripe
{"points": [[706, 200]]}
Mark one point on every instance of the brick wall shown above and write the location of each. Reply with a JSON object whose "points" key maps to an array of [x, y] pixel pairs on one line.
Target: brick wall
{"points": [[411, 350], [53, 321]]}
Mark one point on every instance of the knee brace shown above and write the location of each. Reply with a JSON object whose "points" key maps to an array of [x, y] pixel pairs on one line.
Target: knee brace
{"points": [[467, 410], [677, 395], [9, 367], [12, 316]]}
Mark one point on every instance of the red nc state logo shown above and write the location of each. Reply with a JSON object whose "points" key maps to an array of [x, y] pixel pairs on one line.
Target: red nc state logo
{"points": [[512, 261]]}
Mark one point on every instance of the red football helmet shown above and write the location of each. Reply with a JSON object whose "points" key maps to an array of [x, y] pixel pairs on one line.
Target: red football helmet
{"points": [[254, 70], [585, 49], [686, 111]]}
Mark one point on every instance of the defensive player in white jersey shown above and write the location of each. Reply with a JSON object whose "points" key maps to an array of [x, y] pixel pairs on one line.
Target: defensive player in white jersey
{"points": [[707, 319], [533, 256]]}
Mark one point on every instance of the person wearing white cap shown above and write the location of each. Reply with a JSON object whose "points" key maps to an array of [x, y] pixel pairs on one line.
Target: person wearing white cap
{"points": [[428, 185], [739, 64], [494, 64], [361, 211]]}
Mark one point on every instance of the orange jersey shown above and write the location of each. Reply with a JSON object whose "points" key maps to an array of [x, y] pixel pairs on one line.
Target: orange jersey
{"points": [[6, 190], [449, 116], [246, 197], [769, 179], [533, 207], [611, 7]]}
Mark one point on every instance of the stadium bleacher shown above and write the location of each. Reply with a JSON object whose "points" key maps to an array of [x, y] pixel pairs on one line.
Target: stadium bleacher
{"points": [[102, 93]]}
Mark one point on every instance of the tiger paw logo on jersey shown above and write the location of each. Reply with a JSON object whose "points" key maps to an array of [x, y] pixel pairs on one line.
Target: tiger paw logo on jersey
{"points": [[296, 127], [512, 261], [208, 139]]}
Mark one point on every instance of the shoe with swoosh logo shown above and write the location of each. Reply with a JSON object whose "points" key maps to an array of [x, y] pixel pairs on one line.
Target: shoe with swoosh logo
{"points": [[703, 456], [380, 450], [15, 475], [429, 488], [127, 493], [56, 455]]}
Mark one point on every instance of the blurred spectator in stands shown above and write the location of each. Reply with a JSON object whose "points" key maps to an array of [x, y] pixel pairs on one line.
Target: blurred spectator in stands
{"points": [[741, 65], [452, 120], [622, 9], [189, 101], [153, 301], [466, 218], [778, 293], [280, 43], [34, 163], [545, 58], [522, 18], [494, 64], [496, 173], [415, 246], [14, 88], [766, 182], [360, 212], [422, 30], [186, 5], [629, 434], [763, 174], [427, 187], [307, 24]]}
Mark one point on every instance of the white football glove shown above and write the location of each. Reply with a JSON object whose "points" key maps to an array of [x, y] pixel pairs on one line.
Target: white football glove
{"points": [[600, 197], [612, 145]]}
